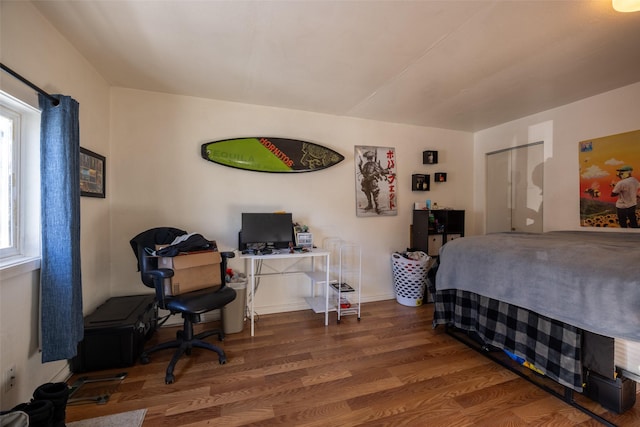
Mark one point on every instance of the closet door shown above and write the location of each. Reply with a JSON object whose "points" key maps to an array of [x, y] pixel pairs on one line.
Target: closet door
{"points": [[498, 191], [514, 189]]}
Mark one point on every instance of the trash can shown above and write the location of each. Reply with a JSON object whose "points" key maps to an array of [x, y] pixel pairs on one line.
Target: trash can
{"points": [[233, 313], [410, 277]]}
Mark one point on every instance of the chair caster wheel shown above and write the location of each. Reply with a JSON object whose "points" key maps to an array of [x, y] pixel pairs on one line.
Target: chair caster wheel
{"points": [[188, 352], [144, 359], [338, 321], [220, 337], [169, 379], [222, 360], [358, 319]]}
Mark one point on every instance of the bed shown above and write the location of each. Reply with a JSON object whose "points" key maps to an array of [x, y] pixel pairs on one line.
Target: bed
{"points": [[537, 295]]}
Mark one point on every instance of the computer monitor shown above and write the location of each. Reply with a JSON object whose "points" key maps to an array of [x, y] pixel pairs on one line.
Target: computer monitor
{"points": [[266, 230]]}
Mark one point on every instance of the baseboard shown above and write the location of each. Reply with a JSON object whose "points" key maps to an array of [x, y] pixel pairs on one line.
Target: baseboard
{"points": [[297, 306], [212, 316], [63, 375]]}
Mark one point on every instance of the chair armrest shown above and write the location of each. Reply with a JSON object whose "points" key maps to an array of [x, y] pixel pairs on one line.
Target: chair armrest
{"points": [[227, 254], [158, 282], [163, 273]]}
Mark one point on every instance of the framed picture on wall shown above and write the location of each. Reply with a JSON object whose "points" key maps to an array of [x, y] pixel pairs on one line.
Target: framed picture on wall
{"points": [[609, 188], [92, 174], [376, 192]]}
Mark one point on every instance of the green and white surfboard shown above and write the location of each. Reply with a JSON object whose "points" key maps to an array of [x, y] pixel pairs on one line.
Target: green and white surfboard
{"points": [[264, 154]]}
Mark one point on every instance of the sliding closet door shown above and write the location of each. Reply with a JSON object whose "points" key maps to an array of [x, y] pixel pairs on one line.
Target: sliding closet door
{"points": [[498, 191], [514, 189]]}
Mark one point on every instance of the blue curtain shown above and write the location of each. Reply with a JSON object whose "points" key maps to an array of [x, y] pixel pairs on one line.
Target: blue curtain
{"points": [[62, 325]]}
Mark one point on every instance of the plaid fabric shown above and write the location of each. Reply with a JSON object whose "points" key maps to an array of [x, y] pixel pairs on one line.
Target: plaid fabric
{"points": [[550, 345]]}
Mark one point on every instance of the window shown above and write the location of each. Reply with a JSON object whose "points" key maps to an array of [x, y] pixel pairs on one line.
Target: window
{"points": [[19, 181], [9, 169]]}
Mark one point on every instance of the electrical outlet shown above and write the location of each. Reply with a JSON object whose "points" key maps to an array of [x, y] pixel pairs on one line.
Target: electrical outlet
{"points": [[10, 378]]}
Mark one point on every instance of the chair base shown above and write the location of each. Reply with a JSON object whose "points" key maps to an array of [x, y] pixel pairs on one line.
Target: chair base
{"points": [[184, 342]]}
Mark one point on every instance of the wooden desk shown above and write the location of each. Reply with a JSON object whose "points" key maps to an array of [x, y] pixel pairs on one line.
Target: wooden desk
{"points": [[318, 303]]}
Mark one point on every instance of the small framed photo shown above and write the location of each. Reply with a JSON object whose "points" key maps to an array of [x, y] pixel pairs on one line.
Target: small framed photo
{"points": [[420, 182], [429, 157], [92, 174], [440, 177]]}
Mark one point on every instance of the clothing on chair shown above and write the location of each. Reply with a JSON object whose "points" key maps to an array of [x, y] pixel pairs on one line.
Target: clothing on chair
{"points": [[149, 238], [193, 242]]}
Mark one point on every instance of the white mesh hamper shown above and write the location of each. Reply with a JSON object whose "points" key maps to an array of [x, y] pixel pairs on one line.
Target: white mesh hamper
{"points": [[410, 278]]}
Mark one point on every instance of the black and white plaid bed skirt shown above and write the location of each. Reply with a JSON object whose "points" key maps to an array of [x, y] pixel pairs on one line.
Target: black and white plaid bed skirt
{"points": [[551, 346]]}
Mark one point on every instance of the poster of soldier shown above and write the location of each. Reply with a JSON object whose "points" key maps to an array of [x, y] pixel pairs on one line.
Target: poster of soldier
{"points": [[609, 188], [376, 192]]}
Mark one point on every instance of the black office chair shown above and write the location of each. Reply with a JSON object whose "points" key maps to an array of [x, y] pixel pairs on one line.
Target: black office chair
{"points": [[190, 305]]}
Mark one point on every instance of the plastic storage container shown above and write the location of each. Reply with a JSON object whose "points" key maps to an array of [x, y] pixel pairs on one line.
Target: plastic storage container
{"points": [[115, 333], [233, 313], [410, 277]]}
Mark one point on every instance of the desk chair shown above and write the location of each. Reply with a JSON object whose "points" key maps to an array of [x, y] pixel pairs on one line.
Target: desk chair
{"points": [[190, 305]]}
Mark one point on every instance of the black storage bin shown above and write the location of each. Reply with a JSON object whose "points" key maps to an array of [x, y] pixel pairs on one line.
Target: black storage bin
{"points": [[616, 395], [115, 333]]}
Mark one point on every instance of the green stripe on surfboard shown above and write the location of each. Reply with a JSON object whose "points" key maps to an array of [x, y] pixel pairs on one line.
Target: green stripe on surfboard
{"points": [[264, 154]]}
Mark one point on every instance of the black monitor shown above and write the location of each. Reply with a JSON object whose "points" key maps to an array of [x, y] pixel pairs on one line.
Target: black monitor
{"points": [[266, 230]]}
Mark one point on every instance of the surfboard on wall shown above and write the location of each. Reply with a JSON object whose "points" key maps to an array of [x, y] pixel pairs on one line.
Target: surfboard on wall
{"points": [[264, 154]]}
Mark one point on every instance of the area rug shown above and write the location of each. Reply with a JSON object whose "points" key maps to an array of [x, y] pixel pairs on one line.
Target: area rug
{"points": [[128, 419]]}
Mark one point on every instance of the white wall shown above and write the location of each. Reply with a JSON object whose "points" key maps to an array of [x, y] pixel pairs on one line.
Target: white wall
{"points": [[159, 178], [31, 47], [561, 129]]}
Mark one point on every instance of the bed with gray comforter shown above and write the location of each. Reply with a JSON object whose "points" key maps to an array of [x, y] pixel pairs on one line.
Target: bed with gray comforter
{"points": [[532, 294]]}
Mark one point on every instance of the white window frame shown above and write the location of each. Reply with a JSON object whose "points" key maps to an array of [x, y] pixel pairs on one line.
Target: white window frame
{"points": [[24, 255], [9, 224]]}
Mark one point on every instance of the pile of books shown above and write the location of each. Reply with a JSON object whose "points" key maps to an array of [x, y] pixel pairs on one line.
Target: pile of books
{"points": [[342, 287]]}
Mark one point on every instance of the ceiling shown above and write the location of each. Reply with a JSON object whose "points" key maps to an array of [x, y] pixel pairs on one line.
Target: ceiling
{"points": [[462, 65]]}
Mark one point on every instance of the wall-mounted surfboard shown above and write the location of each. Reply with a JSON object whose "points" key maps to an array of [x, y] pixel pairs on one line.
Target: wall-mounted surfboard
{"points": [[263, 154]]}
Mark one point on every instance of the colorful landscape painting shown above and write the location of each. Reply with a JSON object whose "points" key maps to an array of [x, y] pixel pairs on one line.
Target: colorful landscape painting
{"points": [[600, 159]]}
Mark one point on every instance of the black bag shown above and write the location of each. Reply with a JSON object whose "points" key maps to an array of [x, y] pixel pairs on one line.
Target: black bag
{"points": [[195, 242]]}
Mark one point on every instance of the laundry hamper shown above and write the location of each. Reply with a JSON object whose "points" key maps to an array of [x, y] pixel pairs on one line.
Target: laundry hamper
{"points": [[410, 278]]}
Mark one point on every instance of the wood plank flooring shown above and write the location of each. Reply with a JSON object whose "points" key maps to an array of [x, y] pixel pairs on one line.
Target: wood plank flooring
{"points": [[389, 369]]}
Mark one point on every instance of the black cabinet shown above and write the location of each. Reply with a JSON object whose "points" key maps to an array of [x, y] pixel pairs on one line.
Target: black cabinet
{"points": [[433, 228]]}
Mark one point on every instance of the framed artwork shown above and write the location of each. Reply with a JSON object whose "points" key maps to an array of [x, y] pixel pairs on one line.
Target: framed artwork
{"points": [[92, 174], [440, 177], [376, 192], [609, 187]]}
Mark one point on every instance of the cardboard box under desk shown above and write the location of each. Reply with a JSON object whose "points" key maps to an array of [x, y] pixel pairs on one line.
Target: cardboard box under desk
{"points": [[191, 271]]}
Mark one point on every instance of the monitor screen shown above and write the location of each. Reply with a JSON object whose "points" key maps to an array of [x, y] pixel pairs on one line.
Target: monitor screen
{"points": [[260, 230]]}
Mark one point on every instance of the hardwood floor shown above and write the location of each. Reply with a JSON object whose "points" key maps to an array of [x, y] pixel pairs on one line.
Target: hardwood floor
{"points": [[389, 369]]}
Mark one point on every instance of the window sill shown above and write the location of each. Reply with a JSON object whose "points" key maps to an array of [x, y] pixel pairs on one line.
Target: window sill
{"points": [[15, 266]]}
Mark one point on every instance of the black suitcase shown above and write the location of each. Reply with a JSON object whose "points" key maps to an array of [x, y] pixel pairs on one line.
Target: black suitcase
{"points": [[115, 333]]}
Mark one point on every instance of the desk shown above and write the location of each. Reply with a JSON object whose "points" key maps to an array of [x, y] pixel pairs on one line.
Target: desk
{"points": [[317, 276]]}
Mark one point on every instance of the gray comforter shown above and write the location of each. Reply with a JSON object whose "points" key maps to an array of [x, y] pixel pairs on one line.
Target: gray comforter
{"points": [[587, 279]]}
